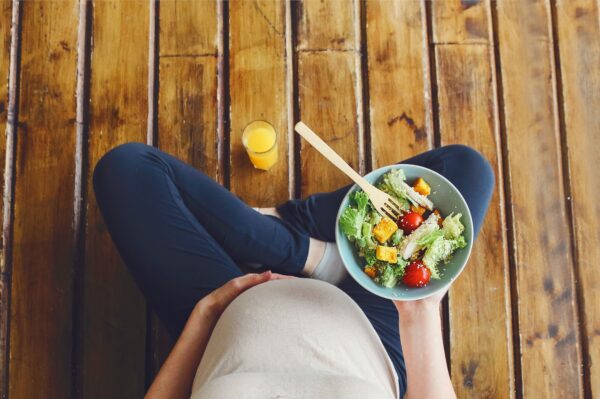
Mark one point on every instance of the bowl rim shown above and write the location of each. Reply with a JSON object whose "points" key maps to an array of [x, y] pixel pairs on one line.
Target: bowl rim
{"points": [[469, 246]]}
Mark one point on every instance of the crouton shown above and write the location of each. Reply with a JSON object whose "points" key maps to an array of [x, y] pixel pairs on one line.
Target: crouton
{"points": [[387, 254], [422, 187], [370, 271], [441, 219], [417, 209], [384, 229]]}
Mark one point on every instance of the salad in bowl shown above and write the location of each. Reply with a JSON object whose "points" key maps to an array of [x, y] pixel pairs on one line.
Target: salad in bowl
{"points": [[417, 254]]}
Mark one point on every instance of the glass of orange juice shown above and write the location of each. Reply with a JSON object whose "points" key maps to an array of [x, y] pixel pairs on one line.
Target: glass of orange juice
{"points": [[260, 140]]}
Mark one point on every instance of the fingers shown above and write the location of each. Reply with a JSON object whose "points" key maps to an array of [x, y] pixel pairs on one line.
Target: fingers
{"points": [[246, 281], [277, 276], [220, 298]]}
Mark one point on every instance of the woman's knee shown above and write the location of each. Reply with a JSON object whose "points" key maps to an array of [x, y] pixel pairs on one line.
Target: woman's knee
{"points": [[116, 163], [467, 158]]}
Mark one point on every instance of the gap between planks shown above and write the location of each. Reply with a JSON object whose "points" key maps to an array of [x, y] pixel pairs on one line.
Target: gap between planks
{"points": [[8, 193], [509, 222], [84, 41], [500, 127], [224, 96], [215, 55]]}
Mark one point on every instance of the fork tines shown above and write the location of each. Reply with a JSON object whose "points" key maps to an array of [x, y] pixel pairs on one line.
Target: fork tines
{"points": [[391, 208]]}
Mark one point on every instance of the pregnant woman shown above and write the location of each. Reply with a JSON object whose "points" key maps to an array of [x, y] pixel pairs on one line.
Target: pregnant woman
{"points": [[270, 335]]}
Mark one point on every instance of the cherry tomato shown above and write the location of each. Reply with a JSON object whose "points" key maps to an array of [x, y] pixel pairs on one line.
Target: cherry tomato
{"points": [[410, 221], [416, 274]]}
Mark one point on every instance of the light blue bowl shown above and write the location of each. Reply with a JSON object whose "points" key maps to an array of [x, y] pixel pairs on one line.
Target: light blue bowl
{"points": [[447, 199]]}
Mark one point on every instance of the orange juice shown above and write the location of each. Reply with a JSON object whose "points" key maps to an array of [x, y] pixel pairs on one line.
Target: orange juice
{"points": [[260, 140]]}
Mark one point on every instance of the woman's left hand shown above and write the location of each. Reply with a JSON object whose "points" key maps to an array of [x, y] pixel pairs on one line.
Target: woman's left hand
{"points": [[215, 303]]}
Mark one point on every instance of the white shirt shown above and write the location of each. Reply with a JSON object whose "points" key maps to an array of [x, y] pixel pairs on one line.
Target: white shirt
{"points": [[296, 338]]}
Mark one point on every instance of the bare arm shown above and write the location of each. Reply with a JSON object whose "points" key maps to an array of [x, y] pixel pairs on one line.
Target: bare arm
{"points": [[175, 378], [423, 348]]}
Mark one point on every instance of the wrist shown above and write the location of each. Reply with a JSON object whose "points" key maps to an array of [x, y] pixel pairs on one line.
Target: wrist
{"points": [[417, 310], [206, 310]]}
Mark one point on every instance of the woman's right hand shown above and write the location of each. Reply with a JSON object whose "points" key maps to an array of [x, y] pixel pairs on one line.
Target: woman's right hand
{"points": [[215, 303], [423, 347]]}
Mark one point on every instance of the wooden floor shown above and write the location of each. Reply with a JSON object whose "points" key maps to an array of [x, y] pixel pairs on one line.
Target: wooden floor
{"points": [[381, 80]]}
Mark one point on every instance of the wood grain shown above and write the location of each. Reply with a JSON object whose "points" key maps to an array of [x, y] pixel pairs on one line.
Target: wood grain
{"points": [[480, 320], [578, 27], [5, 44], [327, 93], [43, 246], [549, 339], [461, 21], [188, 27], [187, 103], [257, 80], [399, 90], [326, 25], [327, 105], [114, 319]]}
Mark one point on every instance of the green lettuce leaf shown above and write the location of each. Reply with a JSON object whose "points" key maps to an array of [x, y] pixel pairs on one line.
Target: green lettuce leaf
{"points": [[397, 236], [441, 250], [366, 240], [353, 218], [388, 278], [351, 222], [391, 183], [362, 201], [452, 226], [392, 273], [429, 238]]}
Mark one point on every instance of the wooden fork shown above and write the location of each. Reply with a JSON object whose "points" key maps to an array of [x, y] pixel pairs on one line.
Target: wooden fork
{"points": [[386, 205]]}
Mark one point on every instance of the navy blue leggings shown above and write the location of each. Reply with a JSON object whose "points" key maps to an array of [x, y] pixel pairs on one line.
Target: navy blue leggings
{"points": [[182, 235]]}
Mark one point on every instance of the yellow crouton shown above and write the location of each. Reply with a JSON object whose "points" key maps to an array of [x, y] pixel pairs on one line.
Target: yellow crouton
{"points": [[418, 209], [422, 187], [387, 254], [384, 229]]}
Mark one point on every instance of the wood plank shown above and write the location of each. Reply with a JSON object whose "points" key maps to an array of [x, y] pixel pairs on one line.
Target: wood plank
{"points": [[578, 26], [461, 21], [549, 341], [43, 245], [188, 27], [187, 102], [188, 87], [480, 320], [114, 319], [328, 105], [6, 11], [257, 75], [481, 350], [326, 25], [328, 91], [399, 90]]}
